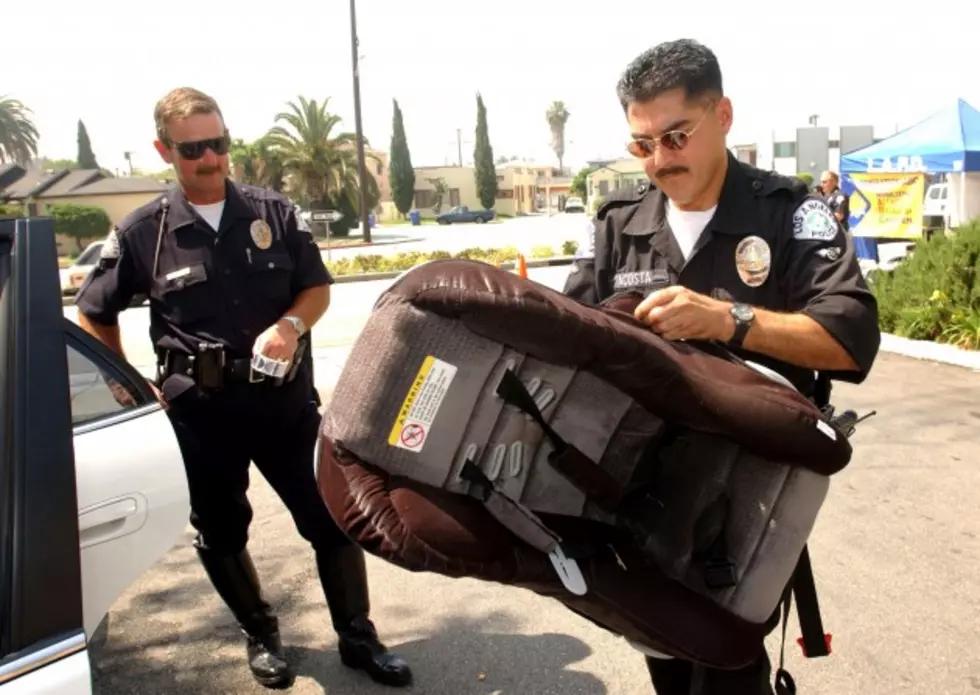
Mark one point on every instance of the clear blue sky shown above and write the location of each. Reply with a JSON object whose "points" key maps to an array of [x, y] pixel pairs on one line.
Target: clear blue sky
{"points": [[107, 61]]}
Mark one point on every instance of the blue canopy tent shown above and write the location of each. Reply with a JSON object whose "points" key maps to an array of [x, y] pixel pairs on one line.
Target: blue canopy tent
{"points": [[948, 141]]}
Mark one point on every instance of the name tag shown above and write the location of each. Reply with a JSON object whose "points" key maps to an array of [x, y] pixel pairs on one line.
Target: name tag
{"points": [[640, 278], [178, 273]]}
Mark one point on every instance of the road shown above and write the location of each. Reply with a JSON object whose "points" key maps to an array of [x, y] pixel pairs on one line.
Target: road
{"points": [[896, 553], [523, 233]]}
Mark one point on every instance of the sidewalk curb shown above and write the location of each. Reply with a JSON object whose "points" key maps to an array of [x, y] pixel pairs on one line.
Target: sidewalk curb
{"points": [[929, 351]]}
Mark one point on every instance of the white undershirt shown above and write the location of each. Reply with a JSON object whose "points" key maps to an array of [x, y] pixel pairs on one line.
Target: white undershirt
{"points": [[211, 213], [687, 226]]}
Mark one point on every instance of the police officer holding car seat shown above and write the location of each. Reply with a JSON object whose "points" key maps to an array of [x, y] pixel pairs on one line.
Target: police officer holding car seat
{"points": [[723, 252], [235, 284]]}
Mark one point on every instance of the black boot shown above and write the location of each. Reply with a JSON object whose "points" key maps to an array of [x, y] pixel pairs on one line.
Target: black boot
{"points": [[343, 575], [236, 581]]}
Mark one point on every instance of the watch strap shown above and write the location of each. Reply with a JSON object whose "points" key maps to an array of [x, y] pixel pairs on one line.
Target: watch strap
{"points": [[741, 329], [296, 323]]}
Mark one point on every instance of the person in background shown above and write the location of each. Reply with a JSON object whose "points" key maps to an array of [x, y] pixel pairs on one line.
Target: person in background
{"points": [[835, 198]]}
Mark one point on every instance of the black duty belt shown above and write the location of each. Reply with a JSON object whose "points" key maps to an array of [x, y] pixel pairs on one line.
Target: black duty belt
{"points": [[212, 368]]}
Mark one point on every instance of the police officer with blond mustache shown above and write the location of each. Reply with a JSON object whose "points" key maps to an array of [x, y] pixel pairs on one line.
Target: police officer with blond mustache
{"points": [[235, 285], [724, 252]]}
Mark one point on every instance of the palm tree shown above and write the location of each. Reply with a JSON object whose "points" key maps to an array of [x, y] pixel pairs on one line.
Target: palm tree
{"points": [[322, 165], [258, 164], [18, 135], [557, 116]]}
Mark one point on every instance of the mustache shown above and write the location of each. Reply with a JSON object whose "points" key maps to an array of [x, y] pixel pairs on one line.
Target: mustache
{"points": [[670, 171], [204, 171]]}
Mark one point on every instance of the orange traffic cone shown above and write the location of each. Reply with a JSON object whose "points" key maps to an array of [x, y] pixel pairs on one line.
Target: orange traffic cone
{"points": [[521, 265]]}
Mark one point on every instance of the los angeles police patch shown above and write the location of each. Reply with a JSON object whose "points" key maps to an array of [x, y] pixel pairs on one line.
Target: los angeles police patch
{"points": [[813, 221], [586, 246], [110, 247]]}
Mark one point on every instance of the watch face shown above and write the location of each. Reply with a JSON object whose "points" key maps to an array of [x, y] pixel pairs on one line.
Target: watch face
{"points": [[742, 312]]}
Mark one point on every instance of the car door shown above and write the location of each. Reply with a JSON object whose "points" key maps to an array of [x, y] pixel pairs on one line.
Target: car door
{"points": [[133, 501], [42, 638]]}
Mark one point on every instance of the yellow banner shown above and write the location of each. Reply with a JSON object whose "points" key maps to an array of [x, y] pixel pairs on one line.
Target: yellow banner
{"points": [[886, 206]]}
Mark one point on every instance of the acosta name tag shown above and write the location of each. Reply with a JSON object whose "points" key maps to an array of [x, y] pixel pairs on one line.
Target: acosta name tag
{"points": [[640, 278]]}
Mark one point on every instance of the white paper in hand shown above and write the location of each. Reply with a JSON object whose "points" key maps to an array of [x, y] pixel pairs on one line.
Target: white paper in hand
{"points": [[268, 366]]}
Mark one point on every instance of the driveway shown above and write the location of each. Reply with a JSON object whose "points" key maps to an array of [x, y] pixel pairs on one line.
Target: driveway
{"points": [[896, 552]]}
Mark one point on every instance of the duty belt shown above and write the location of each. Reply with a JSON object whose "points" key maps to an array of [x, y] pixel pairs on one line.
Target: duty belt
{"points": [[211, 368]]}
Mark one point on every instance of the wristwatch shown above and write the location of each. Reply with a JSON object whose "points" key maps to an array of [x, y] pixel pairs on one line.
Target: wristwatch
{"points": [[296, 322], [743, 315]]}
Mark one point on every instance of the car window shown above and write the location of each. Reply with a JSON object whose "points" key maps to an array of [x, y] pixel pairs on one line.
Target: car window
{"points": [[95, 394], [90, 255]]}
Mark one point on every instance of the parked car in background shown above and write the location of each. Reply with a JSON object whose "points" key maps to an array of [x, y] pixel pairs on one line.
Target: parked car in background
{"points": [[101, 491], [574, 204], [461, 213], [73, 277]]}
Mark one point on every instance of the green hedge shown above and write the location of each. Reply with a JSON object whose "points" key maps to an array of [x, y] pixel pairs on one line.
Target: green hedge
{"points": [[935, 294], [80, 222], [376, 263]]}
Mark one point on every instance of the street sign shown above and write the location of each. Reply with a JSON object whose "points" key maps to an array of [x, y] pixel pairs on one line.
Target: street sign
{"points": [[326, 215]]}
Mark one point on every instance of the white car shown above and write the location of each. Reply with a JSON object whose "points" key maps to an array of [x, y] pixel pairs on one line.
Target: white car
{"points": [[574, 204], [88, 462], [74, 275]]}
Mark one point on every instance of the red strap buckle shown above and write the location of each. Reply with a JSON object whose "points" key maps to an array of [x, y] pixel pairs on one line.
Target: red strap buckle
{"points": [[827, 638]]}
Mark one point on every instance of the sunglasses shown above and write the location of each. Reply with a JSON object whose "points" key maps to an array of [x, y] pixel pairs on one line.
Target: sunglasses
{"points": [[675, 140], [197, 148]]}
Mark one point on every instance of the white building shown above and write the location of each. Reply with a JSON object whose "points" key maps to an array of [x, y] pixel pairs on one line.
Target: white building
{"points": [[790, 151]]}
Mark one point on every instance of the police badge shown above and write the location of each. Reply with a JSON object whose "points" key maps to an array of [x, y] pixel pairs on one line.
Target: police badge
{"points": [[261, 234], [753, 259]]}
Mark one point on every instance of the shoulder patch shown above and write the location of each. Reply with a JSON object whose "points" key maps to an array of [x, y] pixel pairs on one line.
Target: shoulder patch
{"points": [[813, 221], [586, 246], [301, 223], [110, 247]]}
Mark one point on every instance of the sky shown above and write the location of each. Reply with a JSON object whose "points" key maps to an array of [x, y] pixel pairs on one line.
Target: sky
{"points": [[108, 61]]}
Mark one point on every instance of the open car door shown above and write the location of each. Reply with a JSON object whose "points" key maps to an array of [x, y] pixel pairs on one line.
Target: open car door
{"points": [[133, 501], [88, 455], [42, 638]]}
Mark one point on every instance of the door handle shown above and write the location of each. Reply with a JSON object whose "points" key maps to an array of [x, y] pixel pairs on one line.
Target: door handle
{"points": [[109, 520]]}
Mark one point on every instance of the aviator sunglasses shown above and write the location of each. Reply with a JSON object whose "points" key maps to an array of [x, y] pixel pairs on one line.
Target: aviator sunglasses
{"points": [[196, 148], [671, 140]]}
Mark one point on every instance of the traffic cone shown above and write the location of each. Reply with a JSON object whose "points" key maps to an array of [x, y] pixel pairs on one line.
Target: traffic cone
{"points": [[521, 266]]}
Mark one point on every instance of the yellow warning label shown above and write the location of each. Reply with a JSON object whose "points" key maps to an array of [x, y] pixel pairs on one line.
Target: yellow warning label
{"points": [[419, 409]]}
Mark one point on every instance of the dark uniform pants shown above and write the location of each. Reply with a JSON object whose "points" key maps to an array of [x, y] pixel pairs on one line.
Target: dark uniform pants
{"points": [[679, 677], [221, 433]]}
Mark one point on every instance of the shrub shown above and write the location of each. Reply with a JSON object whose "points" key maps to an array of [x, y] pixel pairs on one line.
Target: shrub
{"points": [[80, 222], [935, 294], [569, 248]]}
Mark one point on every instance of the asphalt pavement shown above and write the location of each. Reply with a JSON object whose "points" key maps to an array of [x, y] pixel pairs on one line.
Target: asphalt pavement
{"points": [[896, 554]]}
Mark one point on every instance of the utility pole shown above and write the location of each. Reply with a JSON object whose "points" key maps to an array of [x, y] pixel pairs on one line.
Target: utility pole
{"points": [[459, 145], [361, 167]]}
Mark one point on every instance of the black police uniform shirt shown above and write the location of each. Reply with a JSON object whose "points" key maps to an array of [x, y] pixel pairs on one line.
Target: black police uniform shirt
{"points": [[837, 202], [770, 244], [222, 286]]}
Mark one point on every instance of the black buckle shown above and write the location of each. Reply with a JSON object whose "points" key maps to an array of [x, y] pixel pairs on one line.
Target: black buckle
{"points": [[252, 375]]}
